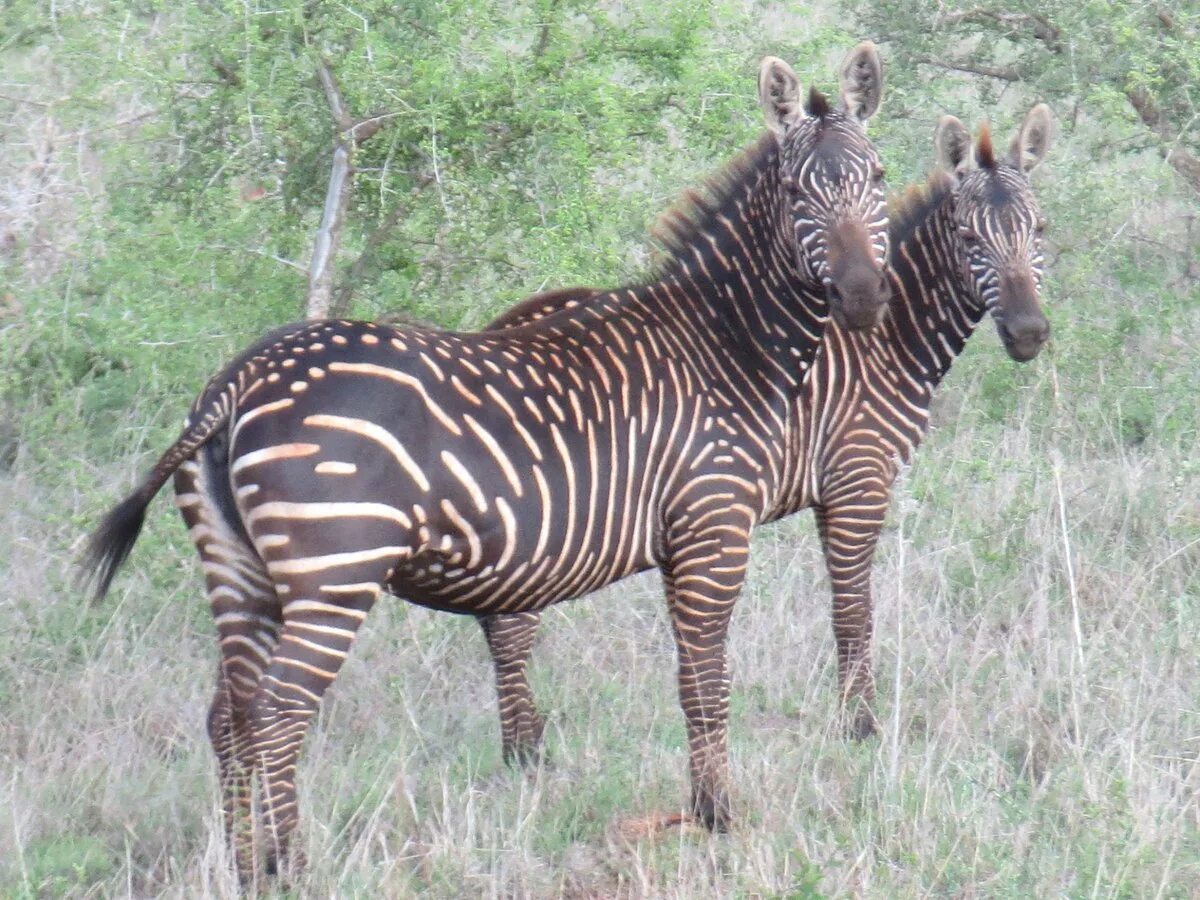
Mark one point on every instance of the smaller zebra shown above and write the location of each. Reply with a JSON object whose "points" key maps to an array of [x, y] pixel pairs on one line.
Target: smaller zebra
{"points": [[965, 245]]}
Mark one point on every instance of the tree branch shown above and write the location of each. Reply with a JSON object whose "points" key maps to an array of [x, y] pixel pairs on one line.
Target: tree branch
{"points": [[1185, 163], [1042, 28], [320, 269], [378, 236], [350, 134], [337, 201], [333, 96], [1003, 73]]}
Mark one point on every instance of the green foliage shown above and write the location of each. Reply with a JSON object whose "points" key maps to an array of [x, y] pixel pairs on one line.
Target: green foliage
{"points": [[497, 172], [530, 146], [64, 864], [1132, 66]]}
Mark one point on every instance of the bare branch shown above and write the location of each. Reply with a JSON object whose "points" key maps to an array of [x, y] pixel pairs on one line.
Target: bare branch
{"points": [[337, 200], [337, 195], [1003, 73], [26, 101], [333, 96], [1042, 28], [263, 253]]}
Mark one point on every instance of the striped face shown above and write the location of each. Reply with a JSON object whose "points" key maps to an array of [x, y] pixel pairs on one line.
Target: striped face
{"points": [[999, 228], [837, 208], [833, 197]]}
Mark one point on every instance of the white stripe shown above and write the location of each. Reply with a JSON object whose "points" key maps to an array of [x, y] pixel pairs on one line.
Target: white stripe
{"points": [[379, 435]]}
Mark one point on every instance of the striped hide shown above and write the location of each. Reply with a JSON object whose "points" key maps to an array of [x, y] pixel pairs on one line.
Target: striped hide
{"points": [[500, 472], [967, 244]]}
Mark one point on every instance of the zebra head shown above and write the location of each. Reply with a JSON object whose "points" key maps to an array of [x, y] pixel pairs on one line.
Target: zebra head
{"points": [[834, 203], [998, 226]]}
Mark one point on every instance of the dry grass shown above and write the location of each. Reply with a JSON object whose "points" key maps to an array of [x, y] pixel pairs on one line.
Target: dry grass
{"points": [[1024, 753], [1038, 629]]}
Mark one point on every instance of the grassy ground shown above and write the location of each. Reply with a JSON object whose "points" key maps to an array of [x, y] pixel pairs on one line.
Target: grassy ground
{"points": [[1038, 601], [1040, 722]]}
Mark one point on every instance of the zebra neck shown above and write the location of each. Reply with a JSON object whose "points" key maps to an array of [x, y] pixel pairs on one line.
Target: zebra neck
{"points": [[935, 311], [731, 282]]}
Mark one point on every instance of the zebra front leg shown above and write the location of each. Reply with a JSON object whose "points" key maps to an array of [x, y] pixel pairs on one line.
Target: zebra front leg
{"points": [[703, 578], [319, 627], [510, 640], [849, 536]]}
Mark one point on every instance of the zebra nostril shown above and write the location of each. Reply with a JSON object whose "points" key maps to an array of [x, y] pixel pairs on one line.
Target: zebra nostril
{"points": [[1030, 332]]}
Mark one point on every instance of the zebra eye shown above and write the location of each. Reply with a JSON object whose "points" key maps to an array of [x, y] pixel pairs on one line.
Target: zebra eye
{"points": [[970, 238], [1040, 226], [878, 175]]}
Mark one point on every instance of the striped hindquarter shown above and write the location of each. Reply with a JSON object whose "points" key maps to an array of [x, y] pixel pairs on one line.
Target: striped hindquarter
{"points": [[496, 473], [958, 246]]}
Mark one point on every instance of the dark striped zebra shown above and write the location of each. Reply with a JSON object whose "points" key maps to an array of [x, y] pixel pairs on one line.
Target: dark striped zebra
{"points": [[967, 244], [500, 472]]}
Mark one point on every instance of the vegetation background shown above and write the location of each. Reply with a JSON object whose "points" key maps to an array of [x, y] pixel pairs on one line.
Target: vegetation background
{"points": [[162, 174]]}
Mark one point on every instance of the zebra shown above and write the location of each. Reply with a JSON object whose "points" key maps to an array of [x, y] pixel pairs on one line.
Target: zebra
{"points": [[966, 244], [500, 472]]}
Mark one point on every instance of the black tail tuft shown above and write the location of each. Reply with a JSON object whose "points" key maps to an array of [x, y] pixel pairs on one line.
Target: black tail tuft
{"points": [[111, 542]]}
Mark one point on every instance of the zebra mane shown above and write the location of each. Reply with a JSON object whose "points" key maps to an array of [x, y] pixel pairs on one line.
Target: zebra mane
{"points": [[912, 206], [817, 105], [984, 153], [690, 218]]}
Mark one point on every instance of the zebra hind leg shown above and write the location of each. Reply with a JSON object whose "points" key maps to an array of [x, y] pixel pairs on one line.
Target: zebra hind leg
{"points": [[229, 736], [248, 635], [510, 640], [246, 612], [320, 620]]}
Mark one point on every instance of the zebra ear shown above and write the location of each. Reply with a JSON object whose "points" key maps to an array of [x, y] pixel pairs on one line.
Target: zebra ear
{"points": [[1032, 140], [952, 143], [778, 94], [861, 82]]}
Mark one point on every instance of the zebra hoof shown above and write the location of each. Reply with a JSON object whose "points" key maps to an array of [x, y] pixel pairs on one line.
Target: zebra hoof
{"points": [[713, 812], [524, 755], [285, 868], [862, 724]]}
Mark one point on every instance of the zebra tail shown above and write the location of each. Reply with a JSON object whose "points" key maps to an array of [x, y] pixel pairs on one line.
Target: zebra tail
{"points": [[111, 543]]}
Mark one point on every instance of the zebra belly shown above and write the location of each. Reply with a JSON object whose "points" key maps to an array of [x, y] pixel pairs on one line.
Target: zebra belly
{"points": [[428, 579]]}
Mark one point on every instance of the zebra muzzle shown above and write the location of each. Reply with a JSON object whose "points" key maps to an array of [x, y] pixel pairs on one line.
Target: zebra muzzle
{"points": [[859, 302], [1024, 338]]}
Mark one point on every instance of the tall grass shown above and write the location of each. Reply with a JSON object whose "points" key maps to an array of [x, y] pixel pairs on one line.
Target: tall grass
{"points": [[1037, 595], [1021, 755]]}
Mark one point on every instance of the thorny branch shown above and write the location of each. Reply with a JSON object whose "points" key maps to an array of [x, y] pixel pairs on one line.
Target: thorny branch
{"points": [[378, 236]]}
